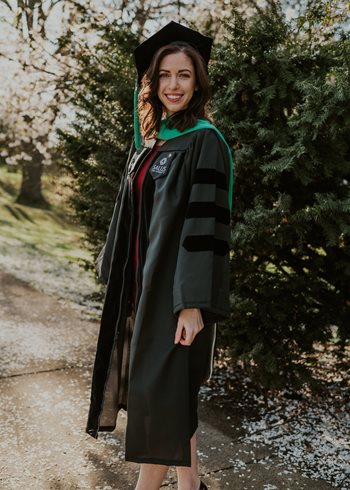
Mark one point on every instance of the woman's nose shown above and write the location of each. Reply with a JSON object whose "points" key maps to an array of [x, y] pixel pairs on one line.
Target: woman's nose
{"points": [[173, 82]]}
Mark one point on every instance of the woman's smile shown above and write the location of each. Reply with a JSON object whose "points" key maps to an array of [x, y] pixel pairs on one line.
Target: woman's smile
{"points": [[173, 98]]}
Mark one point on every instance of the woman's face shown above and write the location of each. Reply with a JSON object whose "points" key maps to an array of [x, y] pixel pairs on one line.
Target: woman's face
{"points": [[177, 81]]}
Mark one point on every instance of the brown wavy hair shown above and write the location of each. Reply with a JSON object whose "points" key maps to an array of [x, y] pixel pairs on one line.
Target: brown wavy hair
{"points": [[151, 109]]}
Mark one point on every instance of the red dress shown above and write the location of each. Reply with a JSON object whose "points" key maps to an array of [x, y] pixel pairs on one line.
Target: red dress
{"points": [[137, 194]]}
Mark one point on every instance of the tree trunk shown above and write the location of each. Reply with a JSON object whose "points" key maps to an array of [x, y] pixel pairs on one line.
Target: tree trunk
{"points": [[30, 193]]}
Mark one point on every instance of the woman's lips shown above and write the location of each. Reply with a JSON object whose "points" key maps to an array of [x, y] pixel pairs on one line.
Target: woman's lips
{"points": [[173, 99]]}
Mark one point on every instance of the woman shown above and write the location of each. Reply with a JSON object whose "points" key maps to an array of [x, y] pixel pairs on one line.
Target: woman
{"points": [[166, 263]]}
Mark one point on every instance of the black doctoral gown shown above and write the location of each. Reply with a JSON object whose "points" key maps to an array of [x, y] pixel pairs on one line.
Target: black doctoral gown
{"points": [[184, 237]]}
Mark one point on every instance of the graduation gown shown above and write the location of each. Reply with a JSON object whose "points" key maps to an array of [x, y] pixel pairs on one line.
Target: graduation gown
{"points": [[184, 237]]}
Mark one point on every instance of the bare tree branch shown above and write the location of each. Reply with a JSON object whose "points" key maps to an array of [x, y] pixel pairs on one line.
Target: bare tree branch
{"points": [[54, 55], [8, 5], [124, 5], [26, 65], [42, 19], [55, 3], [255, 5], [20, 8], [160, 7], [51, 6]]}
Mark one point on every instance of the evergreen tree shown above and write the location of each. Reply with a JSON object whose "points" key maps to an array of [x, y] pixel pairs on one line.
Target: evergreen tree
{"points": [[283, 101], [97, 144]]}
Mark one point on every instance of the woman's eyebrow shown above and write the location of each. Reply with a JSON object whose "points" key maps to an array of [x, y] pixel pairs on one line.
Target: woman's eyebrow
{"points": [[183, 69]]}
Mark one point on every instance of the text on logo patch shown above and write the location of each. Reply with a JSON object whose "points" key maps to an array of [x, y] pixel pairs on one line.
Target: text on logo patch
{"points": [[160, 167]]}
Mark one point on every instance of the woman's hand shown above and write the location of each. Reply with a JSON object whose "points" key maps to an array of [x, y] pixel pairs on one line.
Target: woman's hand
{"points": [[189, 323]]}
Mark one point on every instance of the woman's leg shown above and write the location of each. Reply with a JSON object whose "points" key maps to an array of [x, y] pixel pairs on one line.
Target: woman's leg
{"points": [[151, 476], [187, 477]]}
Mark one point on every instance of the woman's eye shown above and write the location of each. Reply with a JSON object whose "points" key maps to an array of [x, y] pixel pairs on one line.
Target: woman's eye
{"points": [[183, 75]]}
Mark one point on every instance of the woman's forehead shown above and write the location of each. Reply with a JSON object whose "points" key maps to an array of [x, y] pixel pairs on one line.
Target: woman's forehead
{"points": [[176, 60]]}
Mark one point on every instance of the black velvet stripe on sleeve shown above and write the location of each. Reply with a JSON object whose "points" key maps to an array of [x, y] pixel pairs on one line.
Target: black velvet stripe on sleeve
{"points": [[202, 243], [210, 176], [208, 210]]}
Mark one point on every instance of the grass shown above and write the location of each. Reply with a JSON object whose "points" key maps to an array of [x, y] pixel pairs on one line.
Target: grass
{"points": [[51, 232]]}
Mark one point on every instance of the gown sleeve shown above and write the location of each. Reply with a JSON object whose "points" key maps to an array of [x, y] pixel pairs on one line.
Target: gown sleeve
{"points": [[104, 258], [202, 273]]}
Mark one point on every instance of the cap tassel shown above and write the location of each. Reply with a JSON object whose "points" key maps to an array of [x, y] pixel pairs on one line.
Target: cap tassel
{"points": [[137, 134]]}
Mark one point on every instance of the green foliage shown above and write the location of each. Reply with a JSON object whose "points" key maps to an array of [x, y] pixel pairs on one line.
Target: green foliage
{"points": [[97, 144], [283, 101], [326, 18]]}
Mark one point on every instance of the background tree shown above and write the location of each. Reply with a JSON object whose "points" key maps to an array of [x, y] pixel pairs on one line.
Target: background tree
{"points": [[98, 141], [284, 102], [31, 101], [140, 14]]}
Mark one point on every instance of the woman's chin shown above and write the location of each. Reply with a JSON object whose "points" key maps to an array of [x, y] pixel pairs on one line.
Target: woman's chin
{"points": [[173, 111]]}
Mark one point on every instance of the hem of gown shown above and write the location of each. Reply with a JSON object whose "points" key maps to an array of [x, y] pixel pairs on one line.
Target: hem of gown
{"points": [[165, 462], [93, 432]]}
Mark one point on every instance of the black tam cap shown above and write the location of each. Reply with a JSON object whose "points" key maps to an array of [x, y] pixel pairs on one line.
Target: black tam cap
{"points": [[169, 33]]}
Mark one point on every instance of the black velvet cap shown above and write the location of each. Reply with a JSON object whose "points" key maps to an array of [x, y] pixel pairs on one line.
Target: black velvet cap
{"points": [[169, 33]]}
